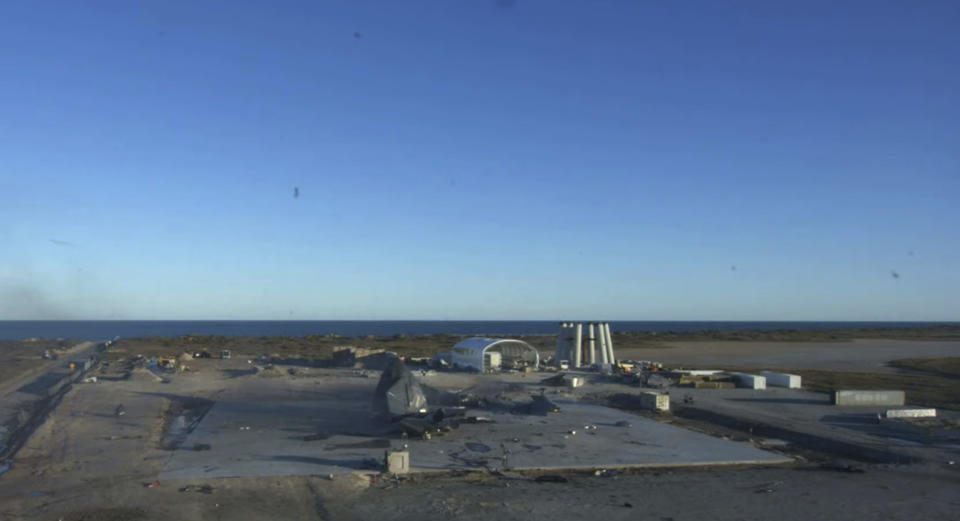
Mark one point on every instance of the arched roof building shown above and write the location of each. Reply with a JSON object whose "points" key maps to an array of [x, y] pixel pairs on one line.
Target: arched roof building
{"points": [[470, 352]]}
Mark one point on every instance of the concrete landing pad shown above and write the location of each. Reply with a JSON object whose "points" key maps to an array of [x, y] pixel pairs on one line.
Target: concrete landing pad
{"points": [[274, 443]]}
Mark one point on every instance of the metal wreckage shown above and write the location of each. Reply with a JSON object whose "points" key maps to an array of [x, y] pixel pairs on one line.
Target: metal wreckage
{"points": [[400, 399]]}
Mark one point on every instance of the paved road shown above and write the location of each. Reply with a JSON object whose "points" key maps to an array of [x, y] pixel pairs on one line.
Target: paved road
{"points": [[77, 353]]}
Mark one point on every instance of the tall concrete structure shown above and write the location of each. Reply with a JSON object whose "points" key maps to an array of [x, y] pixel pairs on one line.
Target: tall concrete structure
{"points": [[592, 348], [597, 350]]}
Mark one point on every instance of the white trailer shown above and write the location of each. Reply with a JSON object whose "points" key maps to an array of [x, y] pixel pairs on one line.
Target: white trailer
{"points": [[774, 379], [750, 381]]}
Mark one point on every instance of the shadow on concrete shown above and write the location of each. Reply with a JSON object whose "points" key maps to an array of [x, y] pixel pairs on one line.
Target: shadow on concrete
{"points": [[304, 430], [865, 423], [187, 401], [376, 443], [849, 419], [113, 378], [357, 464], [237, 373], [42, 385], [300, 362]]}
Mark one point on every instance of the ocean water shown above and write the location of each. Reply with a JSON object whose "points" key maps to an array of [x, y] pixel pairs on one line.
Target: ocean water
{"points": [[106, 329]]}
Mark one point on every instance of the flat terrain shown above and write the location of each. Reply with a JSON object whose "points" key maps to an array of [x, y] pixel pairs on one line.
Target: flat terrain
{"points": [[20, 359], [298, 442], [857, 355], [263, 434]]}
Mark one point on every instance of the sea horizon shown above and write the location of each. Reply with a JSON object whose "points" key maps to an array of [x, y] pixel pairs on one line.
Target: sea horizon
{"points": [[106, 329]]}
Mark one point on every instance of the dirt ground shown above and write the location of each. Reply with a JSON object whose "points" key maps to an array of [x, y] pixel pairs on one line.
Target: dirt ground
{"points": [[19, 359], [795, 493], [86, 463], [857, 355]]}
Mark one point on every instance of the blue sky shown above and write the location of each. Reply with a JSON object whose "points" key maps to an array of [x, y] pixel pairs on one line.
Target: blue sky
{"points": [[478, 159]]}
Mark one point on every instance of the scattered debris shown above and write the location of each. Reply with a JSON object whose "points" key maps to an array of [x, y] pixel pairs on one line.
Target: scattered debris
{"points": [[842, 466], [767, 488], [656, 381], [550, 478], [606, 473], [153, 484], [119, 411], [203, 489], [558, 380], [478, 419], [201, 446], [539, 405]]}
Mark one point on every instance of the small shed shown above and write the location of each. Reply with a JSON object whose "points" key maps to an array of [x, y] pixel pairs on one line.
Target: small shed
{"points": [[479, 353]]}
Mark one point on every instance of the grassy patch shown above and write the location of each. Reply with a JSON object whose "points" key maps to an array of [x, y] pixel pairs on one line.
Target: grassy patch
{"points": [[311, 346], [949, 367], [921, 389], [639, 339]]}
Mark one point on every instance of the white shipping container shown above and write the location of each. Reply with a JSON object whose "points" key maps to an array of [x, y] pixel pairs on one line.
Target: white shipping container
{"points": [[774, 379], [750, 381], [865, 398]]}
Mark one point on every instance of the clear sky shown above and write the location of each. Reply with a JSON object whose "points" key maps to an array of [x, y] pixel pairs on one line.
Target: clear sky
{"points": [[480, 159]]}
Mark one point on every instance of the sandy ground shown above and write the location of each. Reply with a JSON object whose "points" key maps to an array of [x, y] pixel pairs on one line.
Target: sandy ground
{"points": [[86, 463], [800, 493], [859, 355]]}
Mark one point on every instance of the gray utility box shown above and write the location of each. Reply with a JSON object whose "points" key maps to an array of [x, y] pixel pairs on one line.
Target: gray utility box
{"points": [[397, 462]]}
